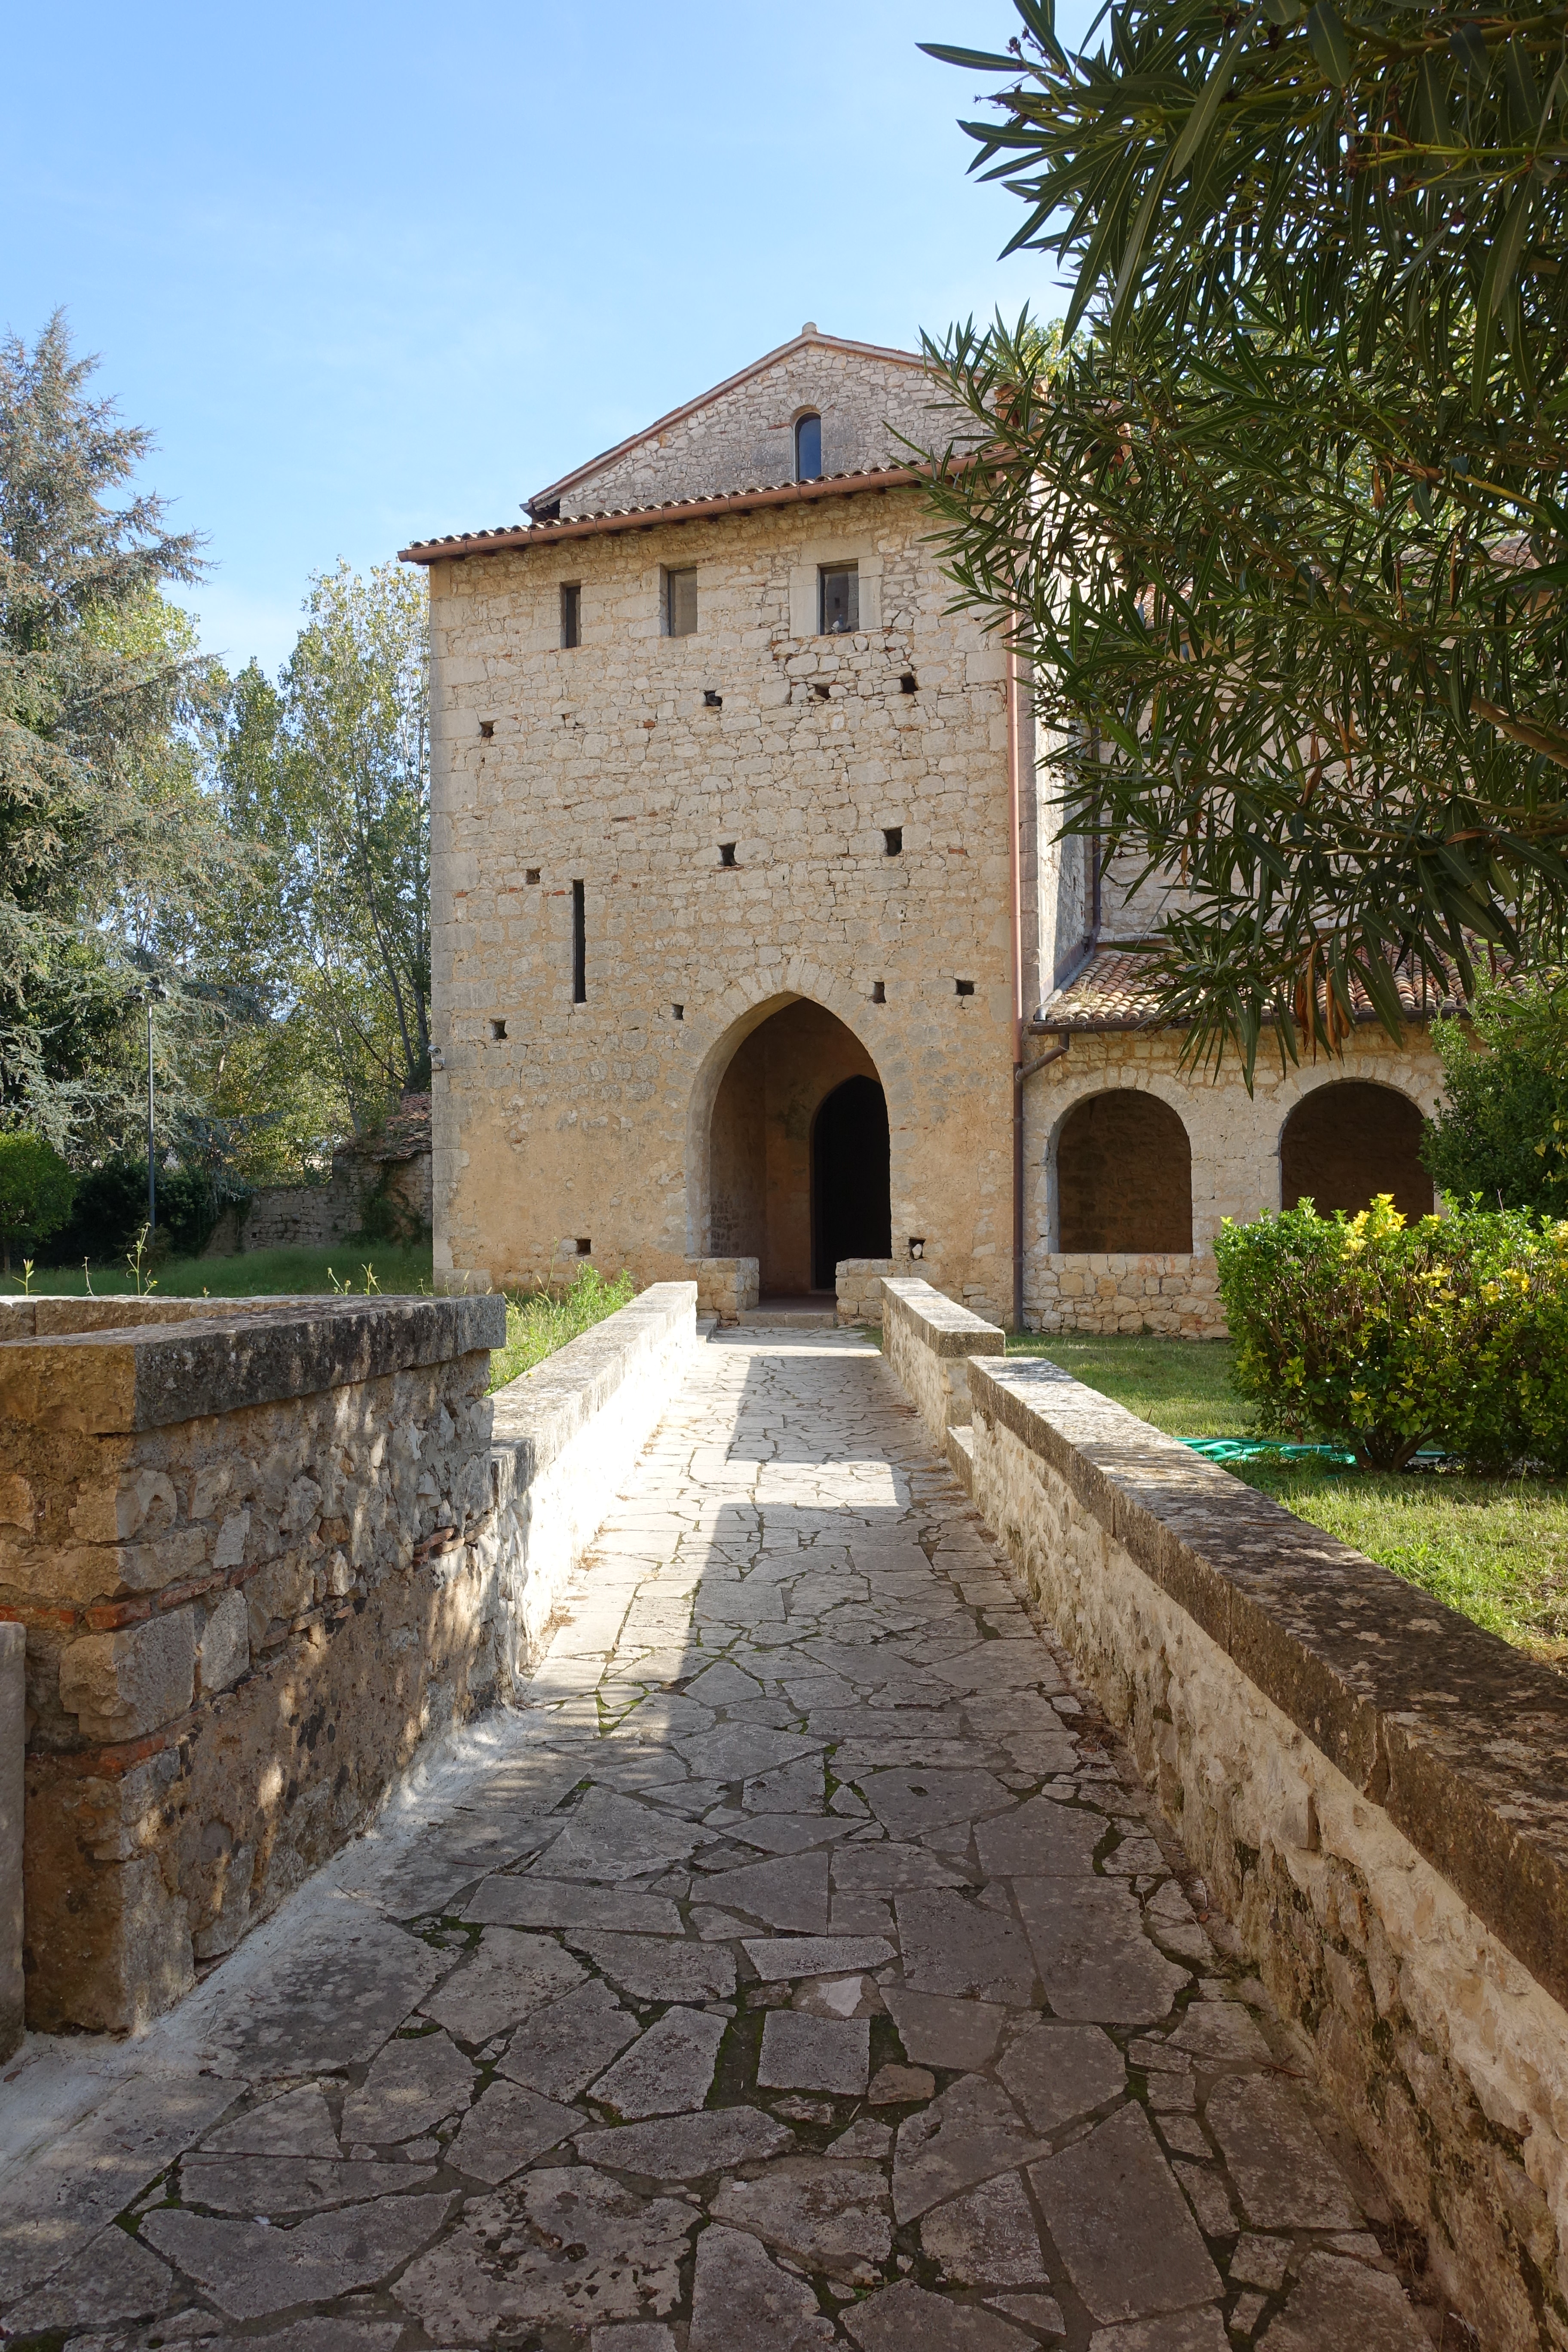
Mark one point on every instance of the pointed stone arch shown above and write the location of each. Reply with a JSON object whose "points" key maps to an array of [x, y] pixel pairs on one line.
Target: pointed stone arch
{"points": [[751, 1125]]}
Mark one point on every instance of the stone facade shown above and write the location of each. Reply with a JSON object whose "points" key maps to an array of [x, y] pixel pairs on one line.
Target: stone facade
{"points": [[686, 888], [558, 1122], [739, 436], [1235, 1140], [1371, 1786]]}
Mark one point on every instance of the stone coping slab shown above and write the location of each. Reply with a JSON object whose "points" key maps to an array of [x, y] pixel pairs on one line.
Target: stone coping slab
{"points": [[1461, 1739], [130, 1378], [942, 1325], [538, 1414], [45, 1315]]}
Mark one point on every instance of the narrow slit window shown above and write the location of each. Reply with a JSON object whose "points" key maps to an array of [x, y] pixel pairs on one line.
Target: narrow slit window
{"points": [[579, 946], [571, 613], [497, 1033], [893, 840], [808, 448], [681, 603], [840, 595]]}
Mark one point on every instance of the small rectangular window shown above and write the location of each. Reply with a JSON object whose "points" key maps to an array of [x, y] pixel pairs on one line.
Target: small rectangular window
{"points": [[579, 946], [571, 613], [840, 595], [681, 603]]}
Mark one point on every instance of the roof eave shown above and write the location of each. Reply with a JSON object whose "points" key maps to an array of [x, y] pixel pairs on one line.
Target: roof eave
{"points": [[516, 537]]}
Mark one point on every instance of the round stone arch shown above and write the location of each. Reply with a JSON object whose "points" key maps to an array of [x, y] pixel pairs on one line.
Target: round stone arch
{"points": [[1119, 1172], [1346, 1138], [743, 1010]]}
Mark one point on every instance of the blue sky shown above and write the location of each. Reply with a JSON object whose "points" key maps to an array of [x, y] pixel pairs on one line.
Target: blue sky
{"points": [[370, 273]]}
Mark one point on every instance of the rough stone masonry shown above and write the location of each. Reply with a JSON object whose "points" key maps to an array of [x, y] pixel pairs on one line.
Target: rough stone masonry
{"points": [[804, 1967], [654, 847]]}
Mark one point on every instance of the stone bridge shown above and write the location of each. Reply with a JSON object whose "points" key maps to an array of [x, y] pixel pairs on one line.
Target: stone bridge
{"points": [[806, 1956]]}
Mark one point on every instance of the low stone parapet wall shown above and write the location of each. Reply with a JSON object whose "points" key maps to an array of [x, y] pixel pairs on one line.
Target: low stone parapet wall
{"points": [[1375, 1790], [726, 1287], [928, 1340], [236, 1545], [565, 1438], [857, 1283], [259, 1555], [1176, 1293]]}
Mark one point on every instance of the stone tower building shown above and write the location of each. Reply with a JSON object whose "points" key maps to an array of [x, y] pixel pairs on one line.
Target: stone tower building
{"points": [[746, 912]]}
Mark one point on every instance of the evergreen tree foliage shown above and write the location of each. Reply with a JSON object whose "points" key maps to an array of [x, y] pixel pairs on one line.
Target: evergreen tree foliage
{"points": [[36, 1190], [1502, 1129], [1283, 530], [104, 829]]}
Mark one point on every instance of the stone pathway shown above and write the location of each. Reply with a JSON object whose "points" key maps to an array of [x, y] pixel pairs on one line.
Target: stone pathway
{"points": [[799, 1968]]}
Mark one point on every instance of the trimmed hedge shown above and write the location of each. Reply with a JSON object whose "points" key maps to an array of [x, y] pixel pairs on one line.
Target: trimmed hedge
{"points": [[1386, 1336]]}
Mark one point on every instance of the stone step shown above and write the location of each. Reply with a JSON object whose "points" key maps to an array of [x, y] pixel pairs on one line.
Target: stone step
{"points": [[790, 1319]]}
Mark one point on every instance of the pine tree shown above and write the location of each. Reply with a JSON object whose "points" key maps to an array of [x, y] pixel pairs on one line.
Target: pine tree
{"points": [[102, 816]]}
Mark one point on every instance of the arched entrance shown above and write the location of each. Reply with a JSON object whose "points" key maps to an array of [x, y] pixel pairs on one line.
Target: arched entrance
{"points": [[1349, 1140], [1124, 1176], [849, 1213], [797, 1152]]}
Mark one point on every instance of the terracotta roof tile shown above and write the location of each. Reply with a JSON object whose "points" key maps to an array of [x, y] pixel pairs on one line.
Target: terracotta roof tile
{"points": [[537, 534], [1112, 991]]}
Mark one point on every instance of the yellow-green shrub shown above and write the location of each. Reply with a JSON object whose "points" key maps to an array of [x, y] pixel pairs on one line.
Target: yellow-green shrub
{"points": [[1387, 1335]]}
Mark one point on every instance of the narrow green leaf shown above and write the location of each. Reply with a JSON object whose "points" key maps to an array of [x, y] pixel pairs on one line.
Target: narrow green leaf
{"points": [[1201, 120], [1132, 253], [1503, 260], [1469, 51], [978, 60], [1326, 31]]}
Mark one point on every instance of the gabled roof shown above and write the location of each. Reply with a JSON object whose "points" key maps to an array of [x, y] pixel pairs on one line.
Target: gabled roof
{"points": [[457, 545], [809, 338]]}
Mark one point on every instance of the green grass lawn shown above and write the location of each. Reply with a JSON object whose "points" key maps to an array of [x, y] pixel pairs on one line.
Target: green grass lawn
{"points": [[1495, 1549], [253, 1274], [1182, 1386]]}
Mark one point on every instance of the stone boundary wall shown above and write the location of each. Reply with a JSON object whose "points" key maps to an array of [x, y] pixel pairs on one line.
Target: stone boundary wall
{"points": [[1173, 1293], [565, 1438], [13, 1755], [48, 1317], [928, 1340], [726, 1287], [261, 1555], [858, 1284], [319, 1216], [1374, 1789]]}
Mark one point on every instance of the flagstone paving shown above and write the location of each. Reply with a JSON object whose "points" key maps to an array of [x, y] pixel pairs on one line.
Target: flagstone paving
{"points": [[802, 1967]]}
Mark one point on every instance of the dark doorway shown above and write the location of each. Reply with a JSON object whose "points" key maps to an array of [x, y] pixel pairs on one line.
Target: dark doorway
{"points": [[850, 1216], [1346, 1141]]}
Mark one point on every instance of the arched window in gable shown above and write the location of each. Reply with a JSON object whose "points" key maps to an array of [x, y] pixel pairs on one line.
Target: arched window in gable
{"points": [[809, 447]]}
